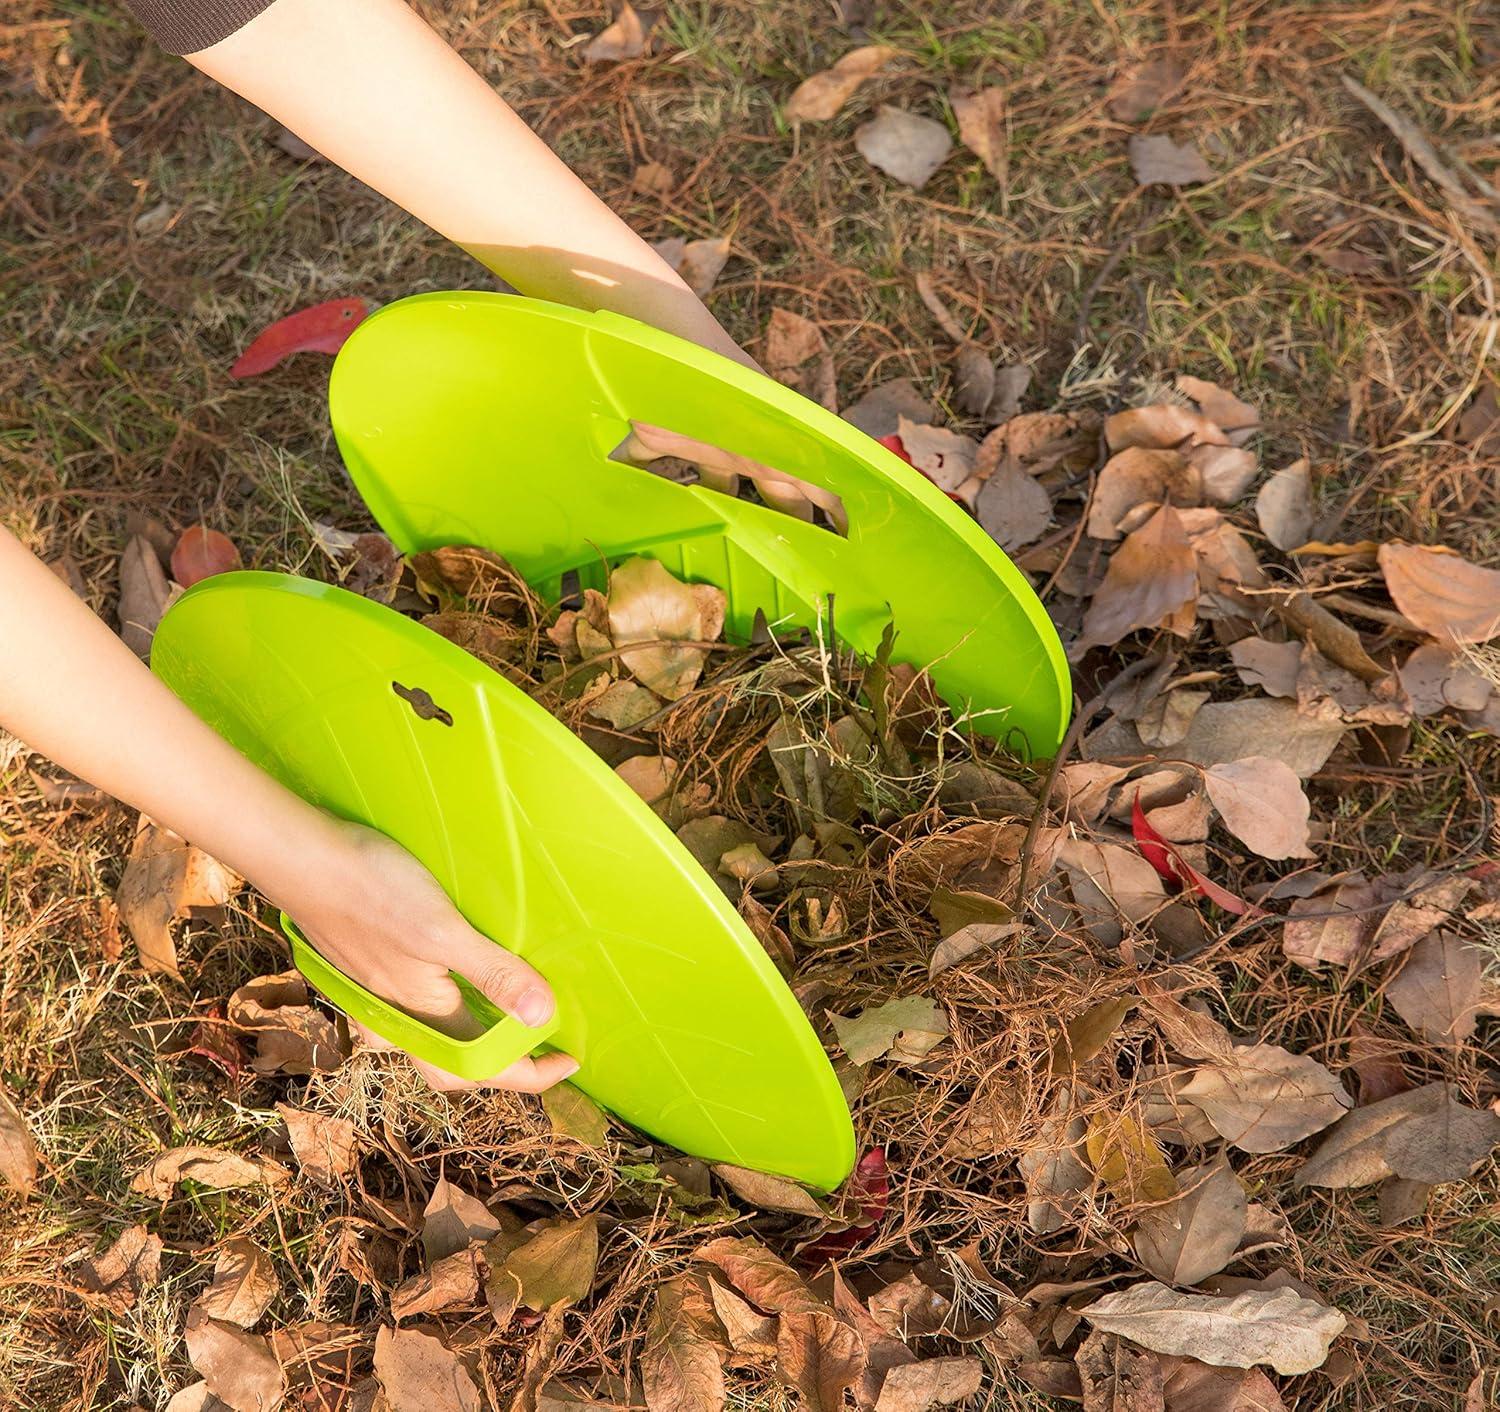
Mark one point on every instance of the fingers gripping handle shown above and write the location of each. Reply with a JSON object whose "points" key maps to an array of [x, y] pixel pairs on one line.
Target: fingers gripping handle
{"points": [[504, 1040]]}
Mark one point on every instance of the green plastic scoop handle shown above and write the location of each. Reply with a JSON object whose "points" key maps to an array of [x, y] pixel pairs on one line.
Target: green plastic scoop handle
{"points": [[504, 1039]]}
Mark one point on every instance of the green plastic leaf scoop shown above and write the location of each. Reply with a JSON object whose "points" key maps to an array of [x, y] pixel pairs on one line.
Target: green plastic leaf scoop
{"points": [[681, 1023], [527, 428]]}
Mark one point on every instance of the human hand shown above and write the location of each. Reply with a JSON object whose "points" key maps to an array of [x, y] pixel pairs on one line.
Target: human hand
{"points": [[378, 915]]}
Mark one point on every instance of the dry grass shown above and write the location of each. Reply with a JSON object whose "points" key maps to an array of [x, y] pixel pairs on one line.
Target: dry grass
{"points": [[150, 224]]}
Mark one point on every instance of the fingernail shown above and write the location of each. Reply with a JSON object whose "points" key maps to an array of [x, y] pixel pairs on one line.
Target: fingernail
{"points": [[573, 1067], [534, 1007]]}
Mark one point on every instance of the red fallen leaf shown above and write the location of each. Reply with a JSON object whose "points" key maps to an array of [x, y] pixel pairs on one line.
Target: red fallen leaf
{"points": [[320, 329], [1166, 858], [869, 1185], [214, 1039], [201, 552], [895, 444]]}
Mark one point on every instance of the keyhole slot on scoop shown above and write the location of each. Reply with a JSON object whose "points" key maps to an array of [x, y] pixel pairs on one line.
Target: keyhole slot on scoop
{"points": [[688, 461], [422, 704]]}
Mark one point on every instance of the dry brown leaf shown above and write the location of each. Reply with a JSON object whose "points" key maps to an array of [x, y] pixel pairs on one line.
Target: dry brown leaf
{"points": [[1110, 882], [418, 1373], [1052, 1169], [195, 1398], [1266, 1098], [1414, 917], [820, 1355], [1196, 1387], [879, 411], [1237, 419], [797, 356], [1161, 426], [698, 262], [981, 126], [1262, 804], [652, 618], [1116, 1377], [238, 1367], [1224, 472], [1158, 159], [243, 1286], [144, 594], [1442, 593], [1284, 505], [1144, 87], [1086, 1034], [1013, 508], [624, 39], [164, 879], [1437, 678], [1279, 1328], [1423, 1134], [1230, 730], [1197, 1234], [945, 457], [766, 1281], [680, 1364], [767, 1192], [322, 1144], [903, 145], [1272, 666], [1152, 577], [18, 1160], [452, 1220], [131, 1264], [450, 1283], [1192, 1034], [291, 1036], [1439, 991], [1135, 477], [1339, 939], [751, 1333], [574, 1114], [932, 1382], [208, 1166], [967, 941], [820, 97]]}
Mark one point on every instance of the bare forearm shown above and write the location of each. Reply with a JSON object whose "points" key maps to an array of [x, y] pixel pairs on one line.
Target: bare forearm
{"points": [[374, 89], [73, 691]]}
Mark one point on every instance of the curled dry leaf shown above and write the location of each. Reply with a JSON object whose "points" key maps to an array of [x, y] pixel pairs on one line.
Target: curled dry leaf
{"points": [[164, 880], [1052, 1168], [130, 1265], [653, 617], [1279, 1327], [820, 1355], [291, 1036], [1284, 505], [243, 1286], [1442, 593], [1439, 990], [1157, 159], [1196, 1234], [574, 1114], [981, 119], [908, 1028], [1423, 1134], [624, 39], [797, 355], [699, 262], [417, 1372], [208, 1166], [767, 1192], [1224, 472], [1163, 426], [820, 97], [1237, 419], [945, 457], [1437, 678], [1110, 882], [1152, 581], [1266, 1098], [767, 1281], [903, 145], [1262, 804], [450, 1283], [1138, 476], [18, 1162], [1086, 1034], [144, 594], [751, 1333]]}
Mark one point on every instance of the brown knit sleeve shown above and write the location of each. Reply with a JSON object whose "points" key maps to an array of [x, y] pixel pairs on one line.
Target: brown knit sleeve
{"points": [[186, 26]]}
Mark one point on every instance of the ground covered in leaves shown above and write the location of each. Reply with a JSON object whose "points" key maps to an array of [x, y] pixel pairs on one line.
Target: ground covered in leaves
{"points": [[1171, 1064]]}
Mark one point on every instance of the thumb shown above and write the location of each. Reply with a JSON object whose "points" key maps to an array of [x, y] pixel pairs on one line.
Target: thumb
{"points": [[504, 978]]}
